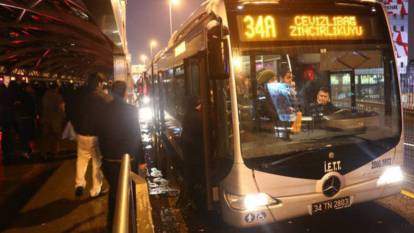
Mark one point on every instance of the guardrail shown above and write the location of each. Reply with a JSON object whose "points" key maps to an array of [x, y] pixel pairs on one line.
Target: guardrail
{"points": [[124, 219], [132, 199]]}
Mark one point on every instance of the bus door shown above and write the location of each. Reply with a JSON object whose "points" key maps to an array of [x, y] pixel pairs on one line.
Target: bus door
{"points": [[221, 134], [196, 123], [215, 111]]}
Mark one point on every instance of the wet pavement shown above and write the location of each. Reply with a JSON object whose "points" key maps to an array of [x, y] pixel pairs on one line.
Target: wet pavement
{"points": [[54, 208], [18, 183], [22, 178]]}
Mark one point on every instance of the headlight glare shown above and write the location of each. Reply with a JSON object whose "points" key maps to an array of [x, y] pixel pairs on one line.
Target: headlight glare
{"points": [[250, 201], [146, 100], [391, 175]]}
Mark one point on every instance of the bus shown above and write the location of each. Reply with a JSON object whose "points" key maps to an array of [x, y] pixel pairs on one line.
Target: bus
{"points": [[276, 109]]}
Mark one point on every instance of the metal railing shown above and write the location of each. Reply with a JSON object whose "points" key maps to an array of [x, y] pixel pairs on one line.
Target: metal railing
{"points": [[124, 218], [407, 99]]}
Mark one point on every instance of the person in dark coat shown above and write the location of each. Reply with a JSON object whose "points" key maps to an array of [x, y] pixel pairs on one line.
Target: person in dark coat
{"points": [[53, 114], [91, 104], [25, 111], [193, 152], [322, 106], [6, 124], [119, 134]]}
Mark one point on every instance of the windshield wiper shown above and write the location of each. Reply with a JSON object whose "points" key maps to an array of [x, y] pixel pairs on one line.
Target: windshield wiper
{"points": [[371, 142], [293, 155]]}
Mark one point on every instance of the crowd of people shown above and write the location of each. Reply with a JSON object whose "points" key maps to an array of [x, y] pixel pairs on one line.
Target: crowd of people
{"points": [[106, 128], [31, 112]]}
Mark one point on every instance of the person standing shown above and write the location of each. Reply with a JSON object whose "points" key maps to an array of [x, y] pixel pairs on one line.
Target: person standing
{"points": [[284, 99], [25, 111], [119, 134], [281, 96], [193, 152], [6, 124], [53, 115], [91, 102]]}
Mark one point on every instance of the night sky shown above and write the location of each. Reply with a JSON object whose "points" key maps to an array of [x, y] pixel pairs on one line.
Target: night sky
{"points": [[149, 19]]}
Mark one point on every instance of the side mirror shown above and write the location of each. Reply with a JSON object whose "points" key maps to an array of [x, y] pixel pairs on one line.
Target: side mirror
{"points": [[217, 53]]}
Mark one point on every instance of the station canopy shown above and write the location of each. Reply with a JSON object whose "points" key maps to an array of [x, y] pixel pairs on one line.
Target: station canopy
{"points": [[51, 39]]}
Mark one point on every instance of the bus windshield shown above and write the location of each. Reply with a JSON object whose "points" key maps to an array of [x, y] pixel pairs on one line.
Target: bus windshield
{"points": [[293, 99]]}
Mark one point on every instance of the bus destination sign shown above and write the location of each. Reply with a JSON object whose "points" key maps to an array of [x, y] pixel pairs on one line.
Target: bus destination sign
{"points": [[299, 27]]}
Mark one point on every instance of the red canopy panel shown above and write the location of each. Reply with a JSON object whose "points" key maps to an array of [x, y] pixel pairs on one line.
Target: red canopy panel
{"points": [[53, 37]]}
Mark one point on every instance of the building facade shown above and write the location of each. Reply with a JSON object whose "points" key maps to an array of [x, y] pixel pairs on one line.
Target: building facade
{"points": [[398, 15]]}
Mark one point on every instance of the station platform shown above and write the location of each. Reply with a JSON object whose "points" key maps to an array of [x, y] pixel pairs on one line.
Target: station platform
{"points": [[408, 187], [54, 208], [18, 182]]}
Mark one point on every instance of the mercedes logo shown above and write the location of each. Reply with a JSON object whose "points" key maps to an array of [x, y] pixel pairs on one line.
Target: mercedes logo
{"points": [[331, 186]]}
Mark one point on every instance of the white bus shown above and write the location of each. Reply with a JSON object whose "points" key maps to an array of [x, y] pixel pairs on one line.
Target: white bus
{"points": [[282, 108]]}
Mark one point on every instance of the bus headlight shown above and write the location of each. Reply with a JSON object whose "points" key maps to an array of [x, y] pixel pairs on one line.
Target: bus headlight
{"points": [[391, 175], [251, 201]]}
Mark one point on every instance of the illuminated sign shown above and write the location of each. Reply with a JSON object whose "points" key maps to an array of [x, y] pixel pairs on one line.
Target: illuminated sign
{"points": [[180, 49], [261, 27], [269, 27], [325, 26]]}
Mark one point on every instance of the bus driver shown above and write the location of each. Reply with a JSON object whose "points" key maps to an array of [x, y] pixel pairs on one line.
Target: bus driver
{"points": [[323, 105]]}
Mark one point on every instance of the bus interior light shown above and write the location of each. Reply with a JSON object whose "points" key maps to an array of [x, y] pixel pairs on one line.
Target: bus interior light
{"points": [[391, 175]]}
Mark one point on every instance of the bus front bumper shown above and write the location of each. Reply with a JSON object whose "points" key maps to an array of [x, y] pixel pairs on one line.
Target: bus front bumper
{"points": [[300, 205]]}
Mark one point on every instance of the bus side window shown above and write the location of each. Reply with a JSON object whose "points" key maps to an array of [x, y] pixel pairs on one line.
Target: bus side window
{"points": [[161, 95], [195, 80], [169, 93], [179, 88], [223, 157], [192, 78]]}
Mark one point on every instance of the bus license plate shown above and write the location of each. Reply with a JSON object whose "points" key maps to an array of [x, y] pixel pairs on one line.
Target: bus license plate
{"points": [[335, 204]]}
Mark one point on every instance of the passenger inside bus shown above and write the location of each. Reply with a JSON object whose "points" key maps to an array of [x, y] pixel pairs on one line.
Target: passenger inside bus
{"points": [[280, 101], [283, 96], [356, 104]]}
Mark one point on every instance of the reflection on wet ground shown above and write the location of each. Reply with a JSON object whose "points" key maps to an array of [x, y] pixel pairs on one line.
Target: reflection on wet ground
{"points": [[18, 182], [54, 207], [156, 183]]}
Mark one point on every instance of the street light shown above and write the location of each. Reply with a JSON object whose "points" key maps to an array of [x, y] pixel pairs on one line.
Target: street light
{"points": [[153, 44], [170, 4], [144, 59]]}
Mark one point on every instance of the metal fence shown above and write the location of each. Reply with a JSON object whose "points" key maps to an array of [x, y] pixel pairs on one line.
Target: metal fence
{"points": [[125, 215], [407, 99]]}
